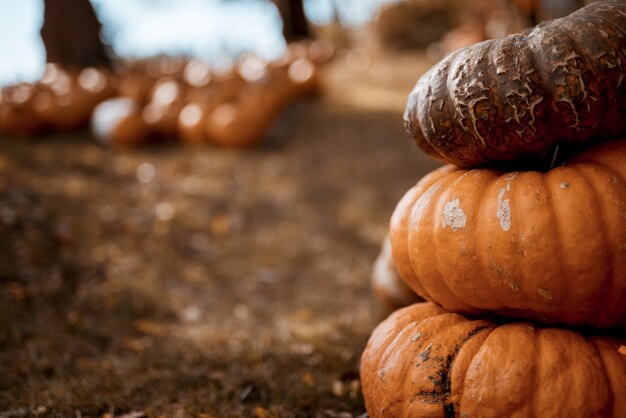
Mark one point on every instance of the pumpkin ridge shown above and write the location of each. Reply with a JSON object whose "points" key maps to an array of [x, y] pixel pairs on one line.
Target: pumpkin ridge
{"points": [[512, 47], [399, 225], [515, 200], [396, 343], [551, 113], [441, 378], [437, 249], [427, 212], [404, 224], [481, 328], [398, 230], [611, 358], [470, 295], [556, 232], [496, 333], [535, 385], [390, 348], [608, 281], [418, 128], [483, 247], [611, 404], [534, 78], [433, 327]]}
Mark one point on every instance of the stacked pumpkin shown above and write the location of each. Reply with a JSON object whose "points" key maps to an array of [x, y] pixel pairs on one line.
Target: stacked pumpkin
{"points": [[165, 98], [499, 246]]}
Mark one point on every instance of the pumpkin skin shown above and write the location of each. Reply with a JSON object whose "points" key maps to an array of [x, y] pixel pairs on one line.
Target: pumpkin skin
{"points": [[511, 98], [542, 246], [425, 362]]}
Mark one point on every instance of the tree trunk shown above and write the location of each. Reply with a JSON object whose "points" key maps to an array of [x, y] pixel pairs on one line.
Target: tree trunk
{"points": [[71, 34], [295, 25]]}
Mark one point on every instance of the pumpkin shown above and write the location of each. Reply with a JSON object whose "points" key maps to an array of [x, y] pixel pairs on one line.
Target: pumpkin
{"points": [[197, 74], [191, 123], [425, 362], [543, 246], [520, 96], [303, 77], [166, 102], [97, 83], [244, 122], [387, 284], [64, 99], [134, 85], [17, 113], [118, 122]]}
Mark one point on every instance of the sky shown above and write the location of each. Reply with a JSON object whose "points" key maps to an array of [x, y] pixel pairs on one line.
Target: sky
{"points": [[201, 28]]}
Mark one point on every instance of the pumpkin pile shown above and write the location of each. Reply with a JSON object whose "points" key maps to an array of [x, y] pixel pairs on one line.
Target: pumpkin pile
{"points": [[489, 240], [165, 98]]}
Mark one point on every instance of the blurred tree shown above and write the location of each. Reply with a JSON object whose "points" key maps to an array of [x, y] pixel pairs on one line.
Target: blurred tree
{"points": [[71, 34], [295, 26]]}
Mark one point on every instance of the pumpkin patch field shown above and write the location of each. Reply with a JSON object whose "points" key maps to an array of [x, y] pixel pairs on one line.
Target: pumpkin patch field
{"points": [[411, 221], [198, 281]]}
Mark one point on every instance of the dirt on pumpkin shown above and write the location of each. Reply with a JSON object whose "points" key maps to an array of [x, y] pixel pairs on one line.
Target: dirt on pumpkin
{"points": [[178, 282]]}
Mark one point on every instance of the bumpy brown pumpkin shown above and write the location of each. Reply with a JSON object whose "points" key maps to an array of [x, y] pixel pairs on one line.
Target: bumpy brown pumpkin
{"points": [[519, 96], [543, 246], [427, 363]]}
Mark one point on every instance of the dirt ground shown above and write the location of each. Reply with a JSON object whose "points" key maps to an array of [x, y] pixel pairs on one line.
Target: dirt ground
{"points": [[179, 282]]}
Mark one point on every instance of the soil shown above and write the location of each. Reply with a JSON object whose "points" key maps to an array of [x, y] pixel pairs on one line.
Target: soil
{"points": [[198, 282]]}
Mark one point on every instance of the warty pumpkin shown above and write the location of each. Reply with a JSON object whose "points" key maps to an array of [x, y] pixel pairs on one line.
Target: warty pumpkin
{"points": [[519, 96], [542, 246], [423, 362]]}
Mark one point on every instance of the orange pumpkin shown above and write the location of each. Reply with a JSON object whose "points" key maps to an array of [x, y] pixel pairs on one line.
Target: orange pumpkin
{"points": [[425, 362], [245, 122], [134, 85], [97, 83], [64, 100], [192, 121], [166, 102], [118, 122], [303, 77], [543, 246], [17, 113]]}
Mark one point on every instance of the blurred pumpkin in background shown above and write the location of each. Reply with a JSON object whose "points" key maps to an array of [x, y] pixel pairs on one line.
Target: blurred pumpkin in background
{"points": [[245, 121], [66, 99], [17, 113], [134, 85], [119, 122], [165, 102]]}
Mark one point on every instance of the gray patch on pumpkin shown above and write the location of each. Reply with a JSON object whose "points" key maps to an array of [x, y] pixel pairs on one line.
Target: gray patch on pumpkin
{"points": [[504, 210], [453, 215]]}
